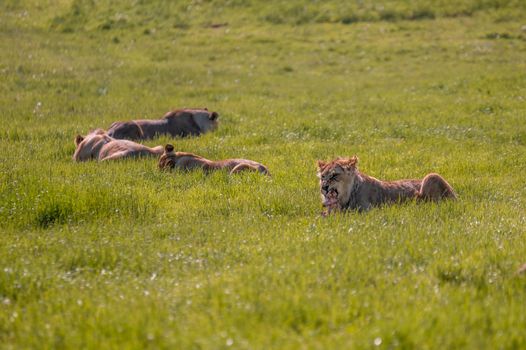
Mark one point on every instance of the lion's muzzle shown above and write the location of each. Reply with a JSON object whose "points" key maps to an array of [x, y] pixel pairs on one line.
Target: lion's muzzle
{"points": [[330, 198]]}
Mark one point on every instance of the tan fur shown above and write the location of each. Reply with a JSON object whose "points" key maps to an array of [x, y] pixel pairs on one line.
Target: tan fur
{"points": [[342, 187], [187, 161], [180, 122], [100, 146]]}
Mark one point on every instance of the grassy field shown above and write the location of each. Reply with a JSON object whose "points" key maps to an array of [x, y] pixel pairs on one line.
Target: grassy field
{"points": [[119, 255]]}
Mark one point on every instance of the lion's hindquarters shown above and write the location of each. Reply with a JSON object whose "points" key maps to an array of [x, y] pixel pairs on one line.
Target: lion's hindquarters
{"points": [[435, 187], [126, 130]]}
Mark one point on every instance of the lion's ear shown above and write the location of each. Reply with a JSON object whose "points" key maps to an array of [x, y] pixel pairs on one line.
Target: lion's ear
{"points": [[168, 148], [321, 164], [78, 140], [349, 163]]}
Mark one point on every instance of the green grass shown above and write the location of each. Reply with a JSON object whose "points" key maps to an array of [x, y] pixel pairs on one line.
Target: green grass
{"points": [[119, 255]]}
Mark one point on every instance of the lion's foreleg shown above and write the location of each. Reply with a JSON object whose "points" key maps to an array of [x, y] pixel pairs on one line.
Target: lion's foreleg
{"points": [[117, 155]]}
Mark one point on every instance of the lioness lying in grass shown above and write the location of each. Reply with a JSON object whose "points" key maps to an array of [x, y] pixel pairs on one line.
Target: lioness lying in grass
{"points": [[99, 145], [180, 122], [187, 161], [344, 187]]}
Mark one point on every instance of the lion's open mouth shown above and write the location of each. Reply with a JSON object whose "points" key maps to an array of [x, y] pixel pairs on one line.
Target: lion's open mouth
{"points": [[331, 198]]}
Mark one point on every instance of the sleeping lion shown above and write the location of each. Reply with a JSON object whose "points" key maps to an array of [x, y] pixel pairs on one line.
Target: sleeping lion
{"points": [[344, 187], [180, 122], [99, 145], [187, 161]]}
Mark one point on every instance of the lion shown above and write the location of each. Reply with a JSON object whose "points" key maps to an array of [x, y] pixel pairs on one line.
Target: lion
{"points": [[343, 186], [100, 146], [187, 161], [179, 122]]}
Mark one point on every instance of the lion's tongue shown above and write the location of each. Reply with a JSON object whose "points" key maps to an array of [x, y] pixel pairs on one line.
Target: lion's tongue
{"points": [[330, 199]]}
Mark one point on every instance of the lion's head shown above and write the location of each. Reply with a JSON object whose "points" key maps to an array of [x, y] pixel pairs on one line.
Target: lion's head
{"points": [[205, 120], [167, 159], [337, 178], [87, 147]]}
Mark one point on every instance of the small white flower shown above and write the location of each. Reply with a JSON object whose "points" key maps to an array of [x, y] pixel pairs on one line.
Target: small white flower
{"points": [[377, 341]]}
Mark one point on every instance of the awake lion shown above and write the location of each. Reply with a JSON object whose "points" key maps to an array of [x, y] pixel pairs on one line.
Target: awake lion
{"points": [[180, 122], [99, 145], [187, 161], [343, 187]]}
